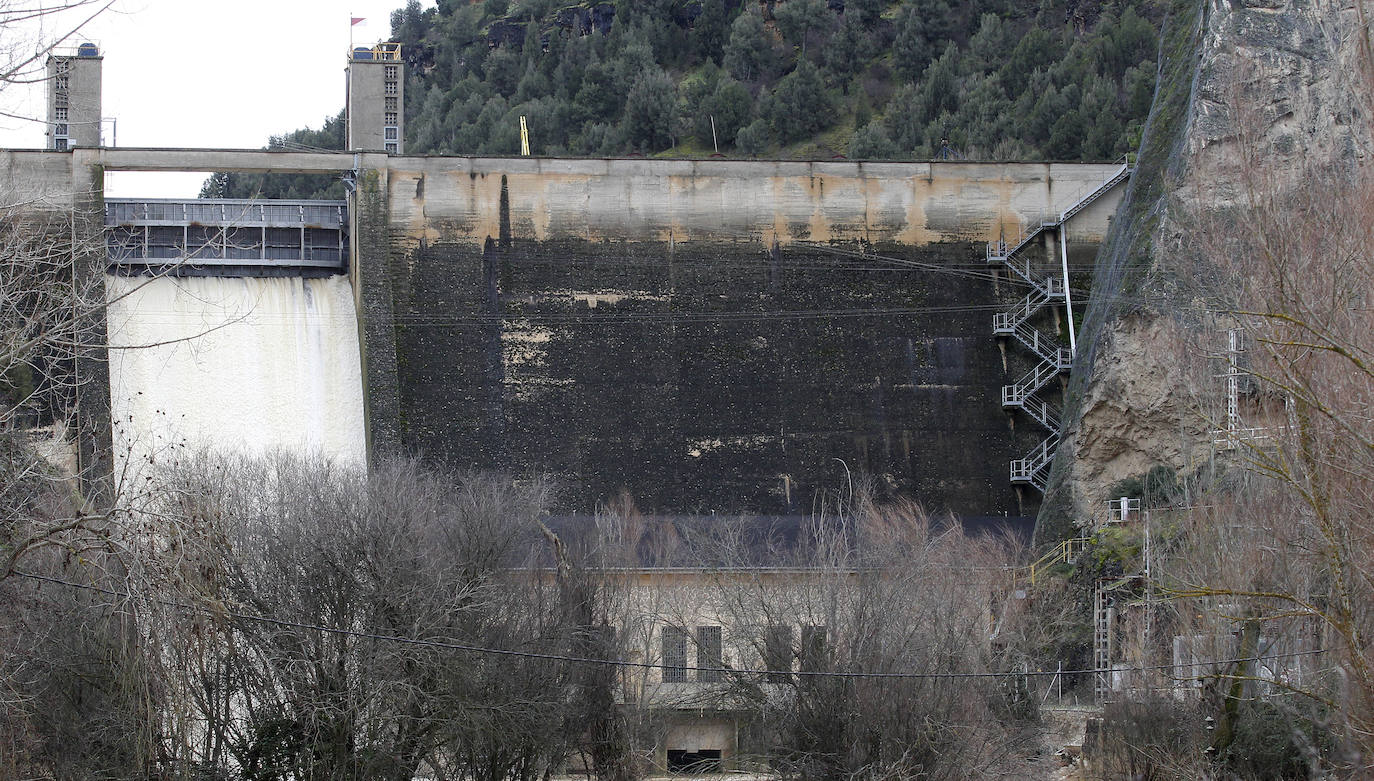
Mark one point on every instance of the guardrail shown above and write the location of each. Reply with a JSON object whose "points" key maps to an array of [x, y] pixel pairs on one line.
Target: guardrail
{"points": [[226, 212], [1066, 552], [226, 236]]}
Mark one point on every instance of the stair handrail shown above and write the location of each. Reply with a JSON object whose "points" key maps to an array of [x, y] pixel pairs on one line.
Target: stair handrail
{"points": [[1065, 552], [1028, 469], [1092, 192], [1024, 310], [1042, 412], [1032, 381], [1046, 347]]}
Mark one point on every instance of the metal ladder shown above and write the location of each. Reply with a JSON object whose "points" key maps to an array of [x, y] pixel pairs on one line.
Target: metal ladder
{"points": [[1051, 358], [1102, 645], [1123, 510]]}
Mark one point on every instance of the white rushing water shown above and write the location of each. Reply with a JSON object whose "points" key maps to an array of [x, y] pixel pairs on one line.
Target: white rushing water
{"points": [[231, 363]]}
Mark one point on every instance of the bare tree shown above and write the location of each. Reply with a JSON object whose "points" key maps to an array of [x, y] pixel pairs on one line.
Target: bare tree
{"points": [[35, 29], [881, 591], [366, 582], [1271, 563]]}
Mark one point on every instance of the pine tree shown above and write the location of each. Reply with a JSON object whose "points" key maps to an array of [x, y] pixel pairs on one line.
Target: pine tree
{"points": [[649, 111], [750, 54], [801, 104]]}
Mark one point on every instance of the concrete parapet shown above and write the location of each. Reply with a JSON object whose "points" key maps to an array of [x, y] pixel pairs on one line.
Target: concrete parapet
{"points": [[455, 199]]}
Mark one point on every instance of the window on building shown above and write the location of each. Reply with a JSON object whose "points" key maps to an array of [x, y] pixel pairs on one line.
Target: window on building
{"points": [[813, 649], [59, 129], [391, 118], [777, 653], [61, 114], [60, 144], [60, 100], [62, 82], [392, 147], [391, 104], [674, 654], [391, 88], [392, 135], [392, 72], [709, 659], [64, 66]]}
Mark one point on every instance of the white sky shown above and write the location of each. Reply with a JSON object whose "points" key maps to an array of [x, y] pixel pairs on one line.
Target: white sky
{"points": [[208, 73]]}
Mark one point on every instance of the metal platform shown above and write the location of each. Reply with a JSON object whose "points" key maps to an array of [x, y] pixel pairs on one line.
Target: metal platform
{"points": [[227, 237]]}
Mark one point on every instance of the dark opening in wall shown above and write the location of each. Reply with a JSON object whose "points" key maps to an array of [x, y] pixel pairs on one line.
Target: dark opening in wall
{"points": [[703, 761]]}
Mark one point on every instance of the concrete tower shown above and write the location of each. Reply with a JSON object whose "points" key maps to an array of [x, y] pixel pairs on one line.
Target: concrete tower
{"points": [[74, 98], [376, 99]]}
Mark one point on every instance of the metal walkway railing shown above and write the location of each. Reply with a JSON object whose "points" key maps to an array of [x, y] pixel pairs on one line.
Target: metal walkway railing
{"points": [[233, 237], [1051, 358], [1066, 552]]}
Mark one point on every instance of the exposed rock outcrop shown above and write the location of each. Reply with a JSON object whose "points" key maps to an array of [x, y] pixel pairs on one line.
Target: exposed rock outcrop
{"points": [[1250, 90]]}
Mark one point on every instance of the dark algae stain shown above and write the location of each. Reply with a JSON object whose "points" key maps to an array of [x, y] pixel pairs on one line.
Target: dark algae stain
{"points": [[704, 378]]}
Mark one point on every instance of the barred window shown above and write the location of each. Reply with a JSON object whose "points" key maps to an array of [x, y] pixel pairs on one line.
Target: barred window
{"points": [[778, 653], [392, 147], [391, 88], [60, 100], [814, 652], [60, 144], [391, 134], [709, 659], [61, 114], [60, 129], [674, 654], [62, 82], [391, 72], [391, 104], [391, 118]]}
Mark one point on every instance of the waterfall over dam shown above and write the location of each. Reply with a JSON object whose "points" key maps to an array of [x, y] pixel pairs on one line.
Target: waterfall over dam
{"points": [[244, 363]]}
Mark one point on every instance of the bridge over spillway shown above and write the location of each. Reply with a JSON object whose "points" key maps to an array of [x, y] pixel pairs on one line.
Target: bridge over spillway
{"points": [[696, 336], [227, 237]]}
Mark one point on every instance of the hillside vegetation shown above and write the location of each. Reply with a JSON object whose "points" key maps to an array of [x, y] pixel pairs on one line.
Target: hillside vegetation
{"points": [[865, 79]]}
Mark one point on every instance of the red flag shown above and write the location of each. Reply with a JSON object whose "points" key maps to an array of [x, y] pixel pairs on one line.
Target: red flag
{"points": [[357, 19]]}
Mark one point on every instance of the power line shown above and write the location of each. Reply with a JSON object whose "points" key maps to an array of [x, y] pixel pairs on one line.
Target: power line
{"points": [[642, 665]]}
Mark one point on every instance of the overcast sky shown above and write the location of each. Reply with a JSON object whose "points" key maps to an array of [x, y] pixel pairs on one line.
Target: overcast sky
{"points": [[210, 73]]}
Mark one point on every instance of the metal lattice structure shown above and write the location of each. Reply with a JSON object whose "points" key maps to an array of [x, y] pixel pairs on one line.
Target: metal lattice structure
{"points": [[222, 234]]}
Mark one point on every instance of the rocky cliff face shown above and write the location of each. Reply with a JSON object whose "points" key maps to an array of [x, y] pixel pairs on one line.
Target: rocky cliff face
{"points": [[1251, 91]]}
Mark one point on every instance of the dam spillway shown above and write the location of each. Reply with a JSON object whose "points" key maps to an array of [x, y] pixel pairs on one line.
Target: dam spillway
{"points": [[240, 363]]}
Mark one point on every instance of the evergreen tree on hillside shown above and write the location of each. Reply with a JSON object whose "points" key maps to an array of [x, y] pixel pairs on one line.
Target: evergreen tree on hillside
{"points": [[808, 78], [751, 53]]}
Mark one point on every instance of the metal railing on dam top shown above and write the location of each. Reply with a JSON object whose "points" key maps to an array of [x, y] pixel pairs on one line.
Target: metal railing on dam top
{"points": [[227, 236]]}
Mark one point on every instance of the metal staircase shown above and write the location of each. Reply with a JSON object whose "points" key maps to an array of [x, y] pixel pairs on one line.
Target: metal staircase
{"points": [[1051, 358]]}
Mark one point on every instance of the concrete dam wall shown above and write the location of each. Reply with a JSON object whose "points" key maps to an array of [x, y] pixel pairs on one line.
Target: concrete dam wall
{"points": [[696, 336], [713, 337]]}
